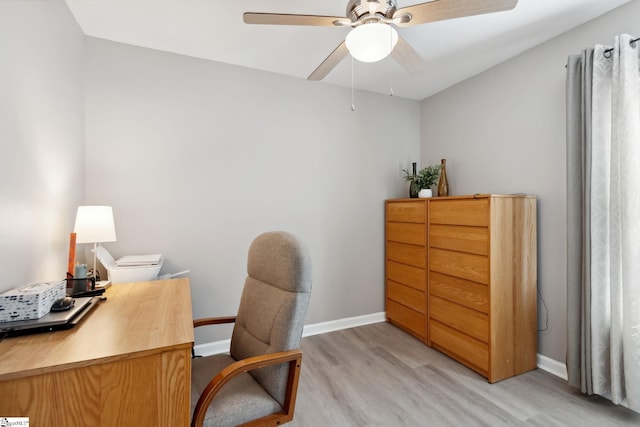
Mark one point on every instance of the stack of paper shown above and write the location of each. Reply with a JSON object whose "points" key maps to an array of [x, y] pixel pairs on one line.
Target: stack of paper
{"points": [[139, 260]]}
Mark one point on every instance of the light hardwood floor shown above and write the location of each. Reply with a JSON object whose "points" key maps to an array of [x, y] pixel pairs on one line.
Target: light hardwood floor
{"points": [[377, 375]]}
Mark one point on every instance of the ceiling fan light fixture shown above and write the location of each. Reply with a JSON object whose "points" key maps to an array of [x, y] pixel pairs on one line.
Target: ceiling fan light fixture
{"points": [[371, 42]]}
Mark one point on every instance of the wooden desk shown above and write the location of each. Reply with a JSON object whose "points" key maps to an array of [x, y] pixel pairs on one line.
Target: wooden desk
{"points": [[127, 363]]}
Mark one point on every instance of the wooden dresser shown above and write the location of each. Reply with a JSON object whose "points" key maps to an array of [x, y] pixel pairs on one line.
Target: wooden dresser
{"points": [[479, 301]]}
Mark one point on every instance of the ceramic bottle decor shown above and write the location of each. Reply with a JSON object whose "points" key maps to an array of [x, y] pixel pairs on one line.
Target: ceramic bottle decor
{"points": [[413, 187], [443, 183]]}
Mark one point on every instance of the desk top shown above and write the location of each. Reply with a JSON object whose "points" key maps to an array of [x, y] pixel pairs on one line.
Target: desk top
{"points": [[136, 319]]}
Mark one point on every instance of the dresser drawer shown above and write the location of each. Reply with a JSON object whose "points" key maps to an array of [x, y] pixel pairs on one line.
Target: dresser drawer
{"points": [[460, 318], [458, 264], [474, 240], [407, 296], [470, 294], [462, 347], [473, 212], [407, 318], [408, 211], [405, 232], [407, 254], [407, 275]]}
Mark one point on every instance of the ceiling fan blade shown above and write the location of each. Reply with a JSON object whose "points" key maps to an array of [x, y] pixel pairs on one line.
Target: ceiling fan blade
{"points": [[330, 62], [439, 10], [410, 60], [286, 19]]}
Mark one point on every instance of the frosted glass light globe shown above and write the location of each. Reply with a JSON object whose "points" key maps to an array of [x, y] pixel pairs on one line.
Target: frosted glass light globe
{"points": [[371, 42]]}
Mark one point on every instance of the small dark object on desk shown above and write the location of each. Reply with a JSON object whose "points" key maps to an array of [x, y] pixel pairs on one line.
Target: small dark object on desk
{"points": [[93, 293], [63, 304]]}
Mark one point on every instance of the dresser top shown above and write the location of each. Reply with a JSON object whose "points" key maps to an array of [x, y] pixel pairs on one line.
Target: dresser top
{"points": [[472, 196]]}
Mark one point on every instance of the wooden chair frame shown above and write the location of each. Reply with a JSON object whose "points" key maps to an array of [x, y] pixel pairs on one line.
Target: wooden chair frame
{"points": [[293, 357]]}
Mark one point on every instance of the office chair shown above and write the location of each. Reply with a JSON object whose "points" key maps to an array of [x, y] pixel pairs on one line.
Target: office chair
{"points": [[256, 383]]}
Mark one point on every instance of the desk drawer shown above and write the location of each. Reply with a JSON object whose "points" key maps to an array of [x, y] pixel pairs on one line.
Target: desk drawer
{"points": [[474, 212], [407, 211], [458, 264], [405, 232]]}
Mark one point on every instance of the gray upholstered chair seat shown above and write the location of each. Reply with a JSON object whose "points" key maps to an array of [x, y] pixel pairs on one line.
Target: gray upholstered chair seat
{"points": [[239, 401]]}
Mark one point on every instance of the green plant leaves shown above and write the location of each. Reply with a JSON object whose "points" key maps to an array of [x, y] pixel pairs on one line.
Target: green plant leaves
{"points": [[426, 177]]}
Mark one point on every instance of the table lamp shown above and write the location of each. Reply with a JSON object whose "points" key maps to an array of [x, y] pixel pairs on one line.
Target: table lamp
{"points": [[94, 224]]}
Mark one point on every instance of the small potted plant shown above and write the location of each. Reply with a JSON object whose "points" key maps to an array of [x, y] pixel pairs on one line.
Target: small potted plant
{"points": [[423, 180]]}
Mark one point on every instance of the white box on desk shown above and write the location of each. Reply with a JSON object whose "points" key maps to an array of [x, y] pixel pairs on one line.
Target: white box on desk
{"points": [[129, 271], [30, 301], [142, 273]]}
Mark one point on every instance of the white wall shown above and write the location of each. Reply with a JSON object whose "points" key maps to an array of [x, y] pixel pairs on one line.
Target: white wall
{"points": [[503, 131], [41, 138], [198, 157]]}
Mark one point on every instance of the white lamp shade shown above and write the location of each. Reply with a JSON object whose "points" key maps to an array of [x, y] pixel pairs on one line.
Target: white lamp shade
{"points": [[94, 224], [371, 42]]}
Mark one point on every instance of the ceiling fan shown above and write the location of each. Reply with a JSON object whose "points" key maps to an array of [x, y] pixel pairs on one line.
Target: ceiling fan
{"points": [[373, 36]]}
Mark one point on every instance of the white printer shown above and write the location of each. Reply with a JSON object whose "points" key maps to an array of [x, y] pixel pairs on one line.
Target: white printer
{"points": [[130, 268]]}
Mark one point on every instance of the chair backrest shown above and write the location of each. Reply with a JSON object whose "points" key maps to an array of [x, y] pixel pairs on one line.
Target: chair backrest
{"points": [[273, 305]]}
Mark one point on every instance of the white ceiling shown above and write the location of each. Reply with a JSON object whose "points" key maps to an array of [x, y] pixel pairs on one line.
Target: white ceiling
{"points": [[213, 29]]}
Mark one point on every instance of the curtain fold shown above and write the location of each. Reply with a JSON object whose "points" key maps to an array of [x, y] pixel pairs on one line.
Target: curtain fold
{"points": [[603, 202], [579, 77]]}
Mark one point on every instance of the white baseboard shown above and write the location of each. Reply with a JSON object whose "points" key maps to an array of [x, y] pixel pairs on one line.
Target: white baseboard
{"points": [[552, 366], [336, 325], [216, 347], [209, 348], [545, 363]]}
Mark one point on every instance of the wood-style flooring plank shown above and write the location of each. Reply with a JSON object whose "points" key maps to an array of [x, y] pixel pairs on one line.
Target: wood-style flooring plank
{"points": [[377, 375]]}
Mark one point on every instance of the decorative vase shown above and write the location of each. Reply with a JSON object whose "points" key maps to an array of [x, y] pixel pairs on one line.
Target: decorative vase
{"points": [[425, 193], [413, 187], [443, 183]]}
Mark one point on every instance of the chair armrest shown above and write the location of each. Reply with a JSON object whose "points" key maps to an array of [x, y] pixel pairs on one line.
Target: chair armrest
{"points": [[210, 321], [293, 357], [213, 321]]}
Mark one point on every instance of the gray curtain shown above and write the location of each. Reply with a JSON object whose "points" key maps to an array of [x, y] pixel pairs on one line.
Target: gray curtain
{"points": [[603, 221], [578, 98]]}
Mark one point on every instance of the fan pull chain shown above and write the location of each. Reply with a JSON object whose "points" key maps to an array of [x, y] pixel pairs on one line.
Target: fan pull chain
{"points": [[390, 73], [391, 83], [353, 104]]}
